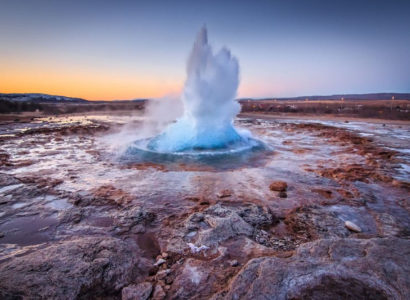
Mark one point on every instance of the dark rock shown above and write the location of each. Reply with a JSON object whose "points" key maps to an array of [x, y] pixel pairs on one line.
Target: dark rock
{"points": [[204, 202], [278, 186], [257, 216], [81, 268], [197, 217], [6, 179], [162, 274], [159, 293], [72, 216], [219, 223], [134, 219], [193, 198], [325, 193], [224, 194], [234, 263], [5, 160], [140, 291], [314, 222], [224, 223], [329, 269]]}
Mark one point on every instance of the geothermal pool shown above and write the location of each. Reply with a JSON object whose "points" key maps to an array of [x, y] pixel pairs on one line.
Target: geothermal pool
{"points": [[62, 184]]}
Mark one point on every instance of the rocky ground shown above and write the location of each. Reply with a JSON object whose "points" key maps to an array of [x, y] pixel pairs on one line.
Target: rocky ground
{"points": [[323, 215]]}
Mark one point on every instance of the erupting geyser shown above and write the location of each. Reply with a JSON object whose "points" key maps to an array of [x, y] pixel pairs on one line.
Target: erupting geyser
{"points": [[206, 127], [209, 102]]}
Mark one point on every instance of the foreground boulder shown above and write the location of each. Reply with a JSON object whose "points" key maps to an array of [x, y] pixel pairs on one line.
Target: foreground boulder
{"points": [[278, 186], [329, 269], [82, 268], [217, 224]]}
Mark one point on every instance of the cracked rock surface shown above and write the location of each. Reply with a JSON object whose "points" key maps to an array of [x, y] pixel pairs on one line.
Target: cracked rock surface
{"points": [[328, 269], [78, 268], [78, 222]]}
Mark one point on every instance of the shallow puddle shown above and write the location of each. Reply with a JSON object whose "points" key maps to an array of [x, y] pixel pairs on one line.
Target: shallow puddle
{"points": [[25, 231]]}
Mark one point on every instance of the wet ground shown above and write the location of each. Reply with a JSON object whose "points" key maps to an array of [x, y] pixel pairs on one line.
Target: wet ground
{"points": [[63, 178]]}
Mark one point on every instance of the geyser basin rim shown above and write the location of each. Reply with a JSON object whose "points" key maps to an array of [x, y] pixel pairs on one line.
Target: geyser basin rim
{"points": [[237, 155], [231, 149]]}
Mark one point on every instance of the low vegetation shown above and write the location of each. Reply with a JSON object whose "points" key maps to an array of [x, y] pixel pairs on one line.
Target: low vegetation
{"points": [[382, 109], [13, 107], [67, 108]]}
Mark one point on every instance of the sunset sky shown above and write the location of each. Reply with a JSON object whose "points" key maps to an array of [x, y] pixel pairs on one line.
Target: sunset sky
{"points": [[103, 50]]}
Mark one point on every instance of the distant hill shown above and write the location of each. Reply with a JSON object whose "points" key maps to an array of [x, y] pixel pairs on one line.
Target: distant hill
{"points": [[39, 98], [373, 96], [45, 98]]}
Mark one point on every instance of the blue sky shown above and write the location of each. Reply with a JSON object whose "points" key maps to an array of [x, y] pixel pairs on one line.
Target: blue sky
{"points": [[129, 49]]}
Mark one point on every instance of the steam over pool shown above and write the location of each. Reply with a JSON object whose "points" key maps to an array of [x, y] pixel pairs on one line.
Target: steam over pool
{"points": [[209, 105], [206, 126]]}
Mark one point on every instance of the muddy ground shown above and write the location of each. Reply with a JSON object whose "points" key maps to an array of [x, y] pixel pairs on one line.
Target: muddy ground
{"points": [[324, 214]]}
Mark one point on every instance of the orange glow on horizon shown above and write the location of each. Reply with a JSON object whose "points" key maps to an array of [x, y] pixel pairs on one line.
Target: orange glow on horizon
{"points": [[96, 86], [89, 85]]}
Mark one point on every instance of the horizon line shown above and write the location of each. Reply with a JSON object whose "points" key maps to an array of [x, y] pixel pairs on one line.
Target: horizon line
{"points": [[237, 98]]}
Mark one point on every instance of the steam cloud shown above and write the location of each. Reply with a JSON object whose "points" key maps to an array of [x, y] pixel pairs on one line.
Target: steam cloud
{"points": [[209, 102]]}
